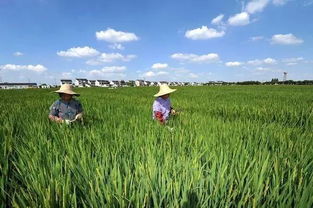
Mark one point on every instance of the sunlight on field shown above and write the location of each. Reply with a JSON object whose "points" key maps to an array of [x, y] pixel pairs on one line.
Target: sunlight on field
{"points": [[231, 146]]}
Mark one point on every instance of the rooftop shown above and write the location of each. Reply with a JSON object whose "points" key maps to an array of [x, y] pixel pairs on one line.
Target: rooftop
{"points": [[28, 84]]}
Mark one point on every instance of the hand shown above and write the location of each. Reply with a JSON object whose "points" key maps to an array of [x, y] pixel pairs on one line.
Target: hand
{"points": [[173, 112], [79, 116], [58, 120]]}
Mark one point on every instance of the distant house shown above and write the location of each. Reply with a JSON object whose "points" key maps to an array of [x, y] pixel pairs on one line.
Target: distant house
{"points": [[162, 82], [92, 83], [44, 86], [123, 83], [102, 83], [66, 81], [81, 82], [7, 85], [147, 83], [115, 83], [131, 83], [219, 82], [139, 82], [153, 84]]}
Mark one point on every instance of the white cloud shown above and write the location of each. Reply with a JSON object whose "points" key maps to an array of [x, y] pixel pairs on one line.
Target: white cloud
{"points": [[173, 74], [291, 64], [203, 33], [117, 46], [79, 52], [113, 69], [233, 64], [262, 69], [257, 62], [93, 62], [110, 57], [193, 75], [66, 75], [115, 72], [208, 58], [308, 3], [13, 67], [269, 61], [113, 36], [279, 2], [252, 7], [256, 6], [149, 74], [286, 39], [240, 19], [297, 59], [217, 20], [256, 38], [159, 66], [162, 73], [18, 53], [292, 61], [180, 70], [108, 69], [154, 74]]}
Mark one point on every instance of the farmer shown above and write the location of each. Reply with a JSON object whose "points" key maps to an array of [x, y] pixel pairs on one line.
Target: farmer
{"points": [[162, 108], [66, 109]]}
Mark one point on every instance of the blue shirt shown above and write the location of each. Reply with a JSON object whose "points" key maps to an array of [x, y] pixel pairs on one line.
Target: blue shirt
{"points": [[66, 110]]}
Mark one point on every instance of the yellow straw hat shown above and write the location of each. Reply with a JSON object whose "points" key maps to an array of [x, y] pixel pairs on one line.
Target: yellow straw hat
{"points": [[67, 89], [164, 89]]}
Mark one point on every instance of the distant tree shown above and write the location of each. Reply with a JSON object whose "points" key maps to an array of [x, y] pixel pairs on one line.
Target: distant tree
{"points": [[274, 81]]}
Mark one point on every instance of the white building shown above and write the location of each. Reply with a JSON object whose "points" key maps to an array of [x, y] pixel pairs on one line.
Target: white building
{"points": [[44, 86], [139, 83], [162, 82], [92, 83], [115, 83], [153, 84], [81, 82], [66, 81], [7, 85], [102, 83]]}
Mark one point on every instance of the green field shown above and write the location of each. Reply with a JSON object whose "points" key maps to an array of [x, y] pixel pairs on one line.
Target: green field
{"points": [[232, 146]]}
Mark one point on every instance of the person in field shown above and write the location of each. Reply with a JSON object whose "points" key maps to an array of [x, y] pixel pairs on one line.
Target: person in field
{"points": [[162, 107], [66, 109]]}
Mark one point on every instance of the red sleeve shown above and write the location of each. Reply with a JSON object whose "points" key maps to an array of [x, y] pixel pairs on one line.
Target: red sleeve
{"points": [[159, 116]]}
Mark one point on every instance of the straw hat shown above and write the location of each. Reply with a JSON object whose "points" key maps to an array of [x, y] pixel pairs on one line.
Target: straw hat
{"points": [[67, 89], [164, 89]]}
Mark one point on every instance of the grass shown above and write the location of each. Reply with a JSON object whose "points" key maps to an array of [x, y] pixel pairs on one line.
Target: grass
{"points": [[233, 146]]}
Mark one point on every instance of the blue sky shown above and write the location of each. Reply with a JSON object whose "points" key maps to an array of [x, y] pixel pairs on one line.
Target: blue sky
{"points": [[180, 40]]}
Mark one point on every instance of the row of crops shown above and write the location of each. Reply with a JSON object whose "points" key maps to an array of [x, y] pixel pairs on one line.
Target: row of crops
{"points": [[232, 146]]}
